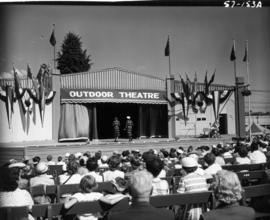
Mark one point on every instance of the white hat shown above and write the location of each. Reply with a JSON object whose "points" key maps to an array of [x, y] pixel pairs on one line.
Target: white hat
{"points": [[104, 158], [180, 151], [189, 162], [17, 164], [78, 154], [128, 117], [67, 154], [42, 167]]}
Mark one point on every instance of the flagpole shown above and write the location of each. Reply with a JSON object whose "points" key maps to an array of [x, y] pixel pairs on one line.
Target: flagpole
{"points": [[169, 56], [247, 66], [54, 50], [236, 93]]}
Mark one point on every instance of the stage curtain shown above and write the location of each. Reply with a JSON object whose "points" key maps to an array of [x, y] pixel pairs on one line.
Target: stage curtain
{"points": [[74, 122], [153, 120]]}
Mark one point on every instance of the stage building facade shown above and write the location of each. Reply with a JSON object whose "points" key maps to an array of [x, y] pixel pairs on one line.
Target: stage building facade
{"points": [[85, 105]]}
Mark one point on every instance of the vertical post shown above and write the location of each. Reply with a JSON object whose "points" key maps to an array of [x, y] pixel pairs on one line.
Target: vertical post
{"points": [[247, 66], [237, 122], [56, 105], [170, 64], [240, 107], [54, 57], [171, 109]]}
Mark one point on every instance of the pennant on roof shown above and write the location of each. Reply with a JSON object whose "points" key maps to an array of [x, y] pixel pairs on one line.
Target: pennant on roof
{"points": [[233, 57], [167, 48], [29, 73], [245, 59]]}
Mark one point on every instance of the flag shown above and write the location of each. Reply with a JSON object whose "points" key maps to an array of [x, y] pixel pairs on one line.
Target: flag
{"points": [[245, 59], [29, 74], [167, 48], [233, 57], [52, 39]]}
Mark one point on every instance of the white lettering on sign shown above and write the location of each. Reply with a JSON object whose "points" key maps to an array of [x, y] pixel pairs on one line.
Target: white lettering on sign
{"points": [[113, 94], [90, 94], [139, 95]]}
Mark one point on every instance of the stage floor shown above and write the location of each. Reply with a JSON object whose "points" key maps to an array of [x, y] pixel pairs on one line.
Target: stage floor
{"points": [[106, 146]]}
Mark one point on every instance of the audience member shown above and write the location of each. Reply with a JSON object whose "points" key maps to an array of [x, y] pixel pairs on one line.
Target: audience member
{"points": [[50, 160], [113, 171], [218, 153], [140, 186], [256, 156], [228, 193], [87, 185], [82, 170], [192, 182], [42, 179], [243, 155], [10, 193], [212, 167], [92, 166], [160, 187], [61, 162], [71, 176]]}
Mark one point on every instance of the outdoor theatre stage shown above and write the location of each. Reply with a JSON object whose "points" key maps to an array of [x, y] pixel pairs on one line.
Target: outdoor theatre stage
{"points": [[107, 146]]}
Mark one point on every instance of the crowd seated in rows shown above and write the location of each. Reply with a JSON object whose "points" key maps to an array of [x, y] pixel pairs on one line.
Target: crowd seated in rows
{"points": [[194, 168]]}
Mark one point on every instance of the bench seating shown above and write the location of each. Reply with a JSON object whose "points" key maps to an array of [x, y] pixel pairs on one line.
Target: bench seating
{"points": [[257, 191]]}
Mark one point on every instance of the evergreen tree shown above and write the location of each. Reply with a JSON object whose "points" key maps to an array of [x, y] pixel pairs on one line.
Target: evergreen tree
{"points": [[71, 58]]}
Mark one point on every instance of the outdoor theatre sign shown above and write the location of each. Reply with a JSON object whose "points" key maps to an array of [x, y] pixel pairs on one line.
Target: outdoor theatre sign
{"points": [[90, 94]]}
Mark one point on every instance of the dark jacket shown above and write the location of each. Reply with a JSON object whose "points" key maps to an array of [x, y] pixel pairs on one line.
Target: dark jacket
{"points": [[142, 211], [230, 212]]}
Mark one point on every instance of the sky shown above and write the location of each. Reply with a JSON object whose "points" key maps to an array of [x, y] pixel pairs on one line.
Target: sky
{"points": [[134, 38]]}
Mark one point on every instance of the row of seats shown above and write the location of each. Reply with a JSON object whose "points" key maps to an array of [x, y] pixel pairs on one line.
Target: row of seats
{"points": [[205, 199], [246, 178]]}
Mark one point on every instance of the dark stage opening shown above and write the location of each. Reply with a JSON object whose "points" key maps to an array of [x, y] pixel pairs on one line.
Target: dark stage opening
{"points": [[149, 120]]}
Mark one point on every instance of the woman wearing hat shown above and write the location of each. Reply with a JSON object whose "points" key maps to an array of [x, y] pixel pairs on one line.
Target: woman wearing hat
{"points": [[129, 127], [42, 179]]}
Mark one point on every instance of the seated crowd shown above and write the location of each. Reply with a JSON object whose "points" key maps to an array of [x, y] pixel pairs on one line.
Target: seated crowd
{"points": [[138, 176]]}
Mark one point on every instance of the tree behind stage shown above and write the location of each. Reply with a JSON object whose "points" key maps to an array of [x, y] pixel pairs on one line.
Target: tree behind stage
{"points": [[72, 58]]}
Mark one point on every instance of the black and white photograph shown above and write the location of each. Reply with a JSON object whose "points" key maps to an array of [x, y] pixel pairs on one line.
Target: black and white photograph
{"points": [[135, 110]]}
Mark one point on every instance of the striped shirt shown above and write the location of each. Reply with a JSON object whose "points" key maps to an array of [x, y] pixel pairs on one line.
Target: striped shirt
{"points": [[192, 182]]}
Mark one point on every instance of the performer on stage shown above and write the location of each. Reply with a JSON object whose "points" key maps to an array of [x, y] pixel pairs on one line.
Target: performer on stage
{"points": [[116, 129], [129, 127]]}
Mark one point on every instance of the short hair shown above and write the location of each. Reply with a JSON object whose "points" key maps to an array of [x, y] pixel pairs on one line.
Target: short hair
{"points": [[216, 151], [114, 162], [227, 187], [209, 158], [254, 146], [9, 179], [154, 166], [242, 151], [88, 184], [60, 158], [49, 157], [92, 164], [72, 167], [140, 184], [135, 163]]}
